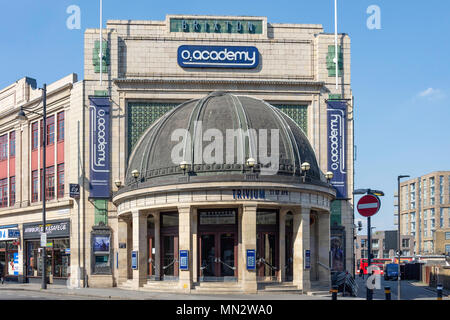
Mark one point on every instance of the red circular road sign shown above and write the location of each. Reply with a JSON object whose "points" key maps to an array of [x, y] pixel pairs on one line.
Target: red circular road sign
{"points": [[369, 205]]}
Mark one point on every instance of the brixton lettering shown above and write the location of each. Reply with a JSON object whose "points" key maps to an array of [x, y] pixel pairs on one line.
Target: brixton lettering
{"points": [[218, 57]]}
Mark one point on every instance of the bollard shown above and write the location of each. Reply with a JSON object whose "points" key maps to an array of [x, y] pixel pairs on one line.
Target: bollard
{"points": [[334, 292], [387, 292], [439, 291]]}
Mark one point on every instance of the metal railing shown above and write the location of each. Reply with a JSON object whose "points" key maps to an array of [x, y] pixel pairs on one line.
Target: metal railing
{"points": [[173, 261]]}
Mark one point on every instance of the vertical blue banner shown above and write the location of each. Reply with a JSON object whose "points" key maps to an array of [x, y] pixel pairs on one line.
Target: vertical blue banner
{"points": [[99, 141], [337, 146], [134, 260]]}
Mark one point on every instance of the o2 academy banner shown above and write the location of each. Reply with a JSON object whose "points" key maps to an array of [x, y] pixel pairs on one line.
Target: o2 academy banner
{"points": [[337, 146], [99, 141]]}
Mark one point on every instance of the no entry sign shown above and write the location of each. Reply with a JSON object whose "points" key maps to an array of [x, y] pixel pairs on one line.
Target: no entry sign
{"points": [[369, 205]]}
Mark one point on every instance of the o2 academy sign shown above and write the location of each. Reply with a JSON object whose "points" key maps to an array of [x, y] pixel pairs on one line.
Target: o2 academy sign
{"points": [[218, 57]]}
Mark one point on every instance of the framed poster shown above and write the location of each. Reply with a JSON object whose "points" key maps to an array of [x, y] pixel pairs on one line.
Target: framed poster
{"points": [[184, 260], [251, 259], [101, 243]]}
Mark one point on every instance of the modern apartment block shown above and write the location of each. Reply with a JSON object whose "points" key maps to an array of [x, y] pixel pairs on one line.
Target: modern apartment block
{"points": [[425, 207]]}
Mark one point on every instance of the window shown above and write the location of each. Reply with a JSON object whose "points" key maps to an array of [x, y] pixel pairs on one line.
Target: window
{"points": [[406, 253], [405, 243], [447, 236], [12, 191], [49, 183], [61, 126], [34, 135], [35, 187], [441, 189], [363, 243], [50, 130], [61, 180], [433, 223], [375, 244], [425, 193], [3, 193], [447, 249], [4, 147], [375, 253], [12, 144]]}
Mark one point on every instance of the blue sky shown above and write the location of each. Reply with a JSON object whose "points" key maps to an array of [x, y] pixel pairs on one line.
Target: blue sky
{"points": [[400, 74]]}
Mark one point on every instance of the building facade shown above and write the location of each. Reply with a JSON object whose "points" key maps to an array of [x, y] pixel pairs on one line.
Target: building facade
{"points": [[425, 209], [21, 175], [132, 229], [384, 246]]}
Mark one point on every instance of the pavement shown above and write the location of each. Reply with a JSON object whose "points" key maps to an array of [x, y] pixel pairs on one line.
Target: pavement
{"points": [[25, 291]]}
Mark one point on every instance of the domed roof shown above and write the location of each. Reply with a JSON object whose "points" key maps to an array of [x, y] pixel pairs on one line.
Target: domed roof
{"points": [[205, 134]]}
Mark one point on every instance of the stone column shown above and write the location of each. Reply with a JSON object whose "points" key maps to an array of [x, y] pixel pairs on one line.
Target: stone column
{"points": [[123, 252], [324, 248], [301, 243], [248, 236], [140, 245], [185, 243], [194, 232], [157, 216], [282, 246]]}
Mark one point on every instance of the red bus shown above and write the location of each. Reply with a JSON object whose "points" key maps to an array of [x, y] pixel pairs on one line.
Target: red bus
{"points": [[362, 263]]}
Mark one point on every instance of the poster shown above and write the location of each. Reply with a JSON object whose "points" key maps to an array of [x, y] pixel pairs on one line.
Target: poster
{"points": [[101, 243]]}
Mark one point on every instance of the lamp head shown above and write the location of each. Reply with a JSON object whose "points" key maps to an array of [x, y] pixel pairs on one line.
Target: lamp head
{"points": [[329, 175], [135, 173], [21, 115], [251, 162], [183, 165], [306, 166], [118, 183]]}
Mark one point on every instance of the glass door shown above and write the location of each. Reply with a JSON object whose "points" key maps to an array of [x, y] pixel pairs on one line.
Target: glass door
{"points": [[227, 255], [208, 263], [266, 256], [169, 257]]}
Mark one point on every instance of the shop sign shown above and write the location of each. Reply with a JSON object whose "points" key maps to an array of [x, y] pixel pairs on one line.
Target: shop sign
{"points": [[74, 191], [16, 263], [99, 135], [218, 57], [9, 234], [184, 260], [52, 229], [337, 146], [239, 26]]}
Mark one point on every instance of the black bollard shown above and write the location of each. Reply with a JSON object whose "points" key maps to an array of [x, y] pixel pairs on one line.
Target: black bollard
{"points": [[439, 291], [387, 292], [334, 292]]}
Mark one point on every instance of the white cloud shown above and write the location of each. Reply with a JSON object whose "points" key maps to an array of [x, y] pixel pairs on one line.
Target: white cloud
{"points": [[432, 94]]}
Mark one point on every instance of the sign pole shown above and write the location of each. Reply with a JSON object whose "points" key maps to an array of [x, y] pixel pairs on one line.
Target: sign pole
{"points": [[369, 255]]}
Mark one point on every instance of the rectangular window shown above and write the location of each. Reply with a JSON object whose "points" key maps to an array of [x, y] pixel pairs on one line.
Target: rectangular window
{"points": [[49, 183], [4, 147], [50, 130], [375, 244], [3, 193], [447, 249], [425, 193], [441, 189], [405, 243], [12, 191], [34, 135], [12, 144], [61, 180], [35, 187], [61, 126], [447, 236]]}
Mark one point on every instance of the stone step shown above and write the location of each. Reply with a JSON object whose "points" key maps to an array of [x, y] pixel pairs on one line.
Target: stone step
{"points": [[217, 287]]}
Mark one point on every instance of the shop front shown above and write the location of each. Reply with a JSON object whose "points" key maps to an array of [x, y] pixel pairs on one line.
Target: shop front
{"points": [[57, 251], [9, 251]]}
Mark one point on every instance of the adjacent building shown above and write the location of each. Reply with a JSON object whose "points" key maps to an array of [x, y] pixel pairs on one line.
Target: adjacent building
{"points": [[153, 209], [425, 210]]}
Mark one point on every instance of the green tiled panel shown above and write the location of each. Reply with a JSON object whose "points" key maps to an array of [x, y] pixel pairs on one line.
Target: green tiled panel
{"points": [[141, 115], [96, 57], [331, 66], [336, 213], [298, 113], [101, 211]]}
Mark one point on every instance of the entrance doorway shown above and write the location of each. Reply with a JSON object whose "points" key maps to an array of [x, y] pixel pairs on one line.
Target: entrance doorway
{"points": [[267, 245], [169, 246], [289, 247], [217, 243], [217, 256]]}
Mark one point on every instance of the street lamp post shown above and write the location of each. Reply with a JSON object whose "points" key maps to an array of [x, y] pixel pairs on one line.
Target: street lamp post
{"points": [[22, 116], [399, 237]]}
